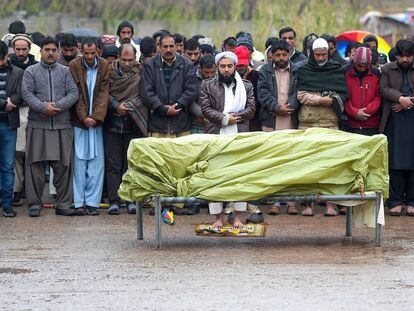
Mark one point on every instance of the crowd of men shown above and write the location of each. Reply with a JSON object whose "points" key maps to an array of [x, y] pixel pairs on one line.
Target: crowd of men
{"points": [[71, 106]]}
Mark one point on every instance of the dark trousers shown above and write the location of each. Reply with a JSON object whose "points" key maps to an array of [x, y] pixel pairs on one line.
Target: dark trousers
{"points": [[401, 188], [35, 182], [116, 147], [363, 131]]}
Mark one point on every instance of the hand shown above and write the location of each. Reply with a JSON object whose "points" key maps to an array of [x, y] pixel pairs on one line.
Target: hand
{"points": [[10, 106], [397, 107], [172, 110], [285, 110], [89, 122], [123, 110], [51, 110], [233, 119], [406, 102], [325, 101], [199, 120], [361, 115]]}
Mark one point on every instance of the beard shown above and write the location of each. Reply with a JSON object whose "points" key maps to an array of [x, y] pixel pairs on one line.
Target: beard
{"points": [[21, 58], [281, 64], [322, 63], [69, 58], [405, 65], [226, 79], [126, 40]]}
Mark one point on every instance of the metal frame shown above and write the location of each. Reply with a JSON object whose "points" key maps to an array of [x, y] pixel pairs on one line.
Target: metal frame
{"points": [[159, 201]]}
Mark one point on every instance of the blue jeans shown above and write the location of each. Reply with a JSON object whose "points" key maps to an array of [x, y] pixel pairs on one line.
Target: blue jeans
{"points": [[7, 148]]}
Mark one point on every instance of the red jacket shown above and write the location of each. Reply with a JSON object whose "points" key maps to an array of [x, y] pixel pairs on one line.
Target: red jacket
{"points": [[363, 95]]}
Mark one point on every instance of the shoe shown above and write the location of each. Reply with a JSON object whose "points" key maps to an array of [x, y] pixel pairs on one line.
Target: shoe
{"points": [[178, 211], [91, 211], [193, 209], [411, 213], [255, 218], [132, 208], [230, 217], [342, 211], [9, 212], [64, 211], [113, 209], [80, 211], [34, 211], [17, 199]]}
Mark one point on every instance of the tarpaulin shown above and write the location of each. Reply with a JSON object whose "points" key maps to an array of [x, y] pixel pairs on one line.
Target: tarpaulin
{"points": [[250, 166]]}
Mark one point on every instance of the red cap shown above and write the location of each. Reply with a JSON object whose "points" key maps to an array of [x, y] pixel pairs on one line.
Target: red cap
{"points": [[243, 55]]}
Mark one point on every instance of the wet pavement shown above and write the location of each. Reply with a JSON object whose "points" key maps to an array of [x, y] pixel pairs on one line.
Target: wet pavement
{"points": [[95, 263]]}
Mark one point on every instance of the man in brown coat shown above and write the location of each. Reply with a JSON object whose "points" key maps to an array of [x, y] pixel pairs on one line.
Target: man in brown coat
{"points": [[228, 103], [397, 89], [91, 74]]}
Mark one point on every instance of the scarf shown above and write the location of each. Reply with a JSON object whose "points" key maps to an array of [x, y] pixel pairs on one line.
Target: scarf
{"points": [[124, 88]]}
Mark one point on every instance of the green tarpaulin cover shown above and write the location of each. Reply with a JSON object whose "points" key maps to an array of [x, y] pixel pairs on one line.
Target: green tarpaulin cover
{"points": [[250, 166]]}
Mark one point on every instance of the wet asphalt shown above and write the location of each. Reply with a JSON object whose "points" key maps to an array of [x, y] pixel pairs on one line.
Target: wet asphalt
{"points": [[96, 263]]}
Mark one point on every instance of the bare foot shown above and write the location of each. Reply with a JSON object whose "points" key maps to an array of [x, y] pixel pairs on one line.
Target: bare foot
{"points": [[330, 211], [274, 210], [291, 210], [410, 210], [396, 210], [238, 223], [307, 212], [217, 223]]}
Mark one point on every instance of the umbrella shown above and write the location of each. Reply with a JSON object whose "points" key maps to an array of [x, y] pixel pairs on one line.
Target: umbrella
{"points": [[82, 32], [345, 38]]}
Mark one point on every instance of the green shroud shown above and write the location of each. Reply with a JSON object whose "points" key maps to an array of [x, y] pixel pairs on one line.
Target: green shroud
{"points": [[250, 166]]}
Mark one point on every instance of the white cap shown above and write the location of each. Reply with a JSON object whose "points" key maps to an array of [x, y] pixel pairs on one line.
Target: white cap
{"points": [[320, 43]]}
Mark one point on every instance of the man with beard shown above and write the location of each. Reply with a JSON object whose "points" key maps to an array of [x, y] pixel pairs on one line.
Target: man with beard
{"points": [[192, 50], [372, 41], [21, 58], [21, 48], [277, 95], [227, 102], [396, 83], [288, 34], [50, 92], [125, 33], [120, 128], [168, 87], [179, 42], [321, 90], [91, 74], [207, 70], [68, 49], [10, 100]]}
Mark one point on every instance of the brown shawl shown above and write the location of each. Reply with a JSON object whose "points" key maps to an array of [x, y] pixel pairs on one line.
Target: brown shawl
{"points": [[126, 89]]}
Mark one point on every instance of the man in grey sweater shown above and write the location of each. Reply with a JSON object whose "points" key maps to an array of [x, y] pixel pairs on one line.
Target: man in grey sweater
{"points": [[50, 91]]}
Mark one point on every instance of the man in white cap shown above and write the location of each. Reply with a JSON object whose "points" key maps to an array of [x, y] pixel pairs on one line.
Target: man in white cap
{"points": [[322, 91], [227, 103]]}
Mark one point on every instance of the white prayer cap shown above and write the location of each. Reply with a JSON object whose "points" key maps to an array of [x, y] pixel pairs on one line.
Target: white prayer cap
{"points": [[320, 43], [229, 55]]}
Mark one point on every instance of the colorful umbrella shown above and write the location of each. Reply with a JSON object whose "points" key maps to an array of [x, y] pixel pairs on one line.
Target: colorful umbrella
{"points": [[345, 38]]}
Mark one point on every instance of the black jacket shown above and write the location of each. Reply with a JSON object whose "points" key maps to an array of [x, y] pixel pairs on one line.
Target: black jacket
{"points": [[13, 85], [297, 57], [154, 94], [267, 95], [29, 61]]}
